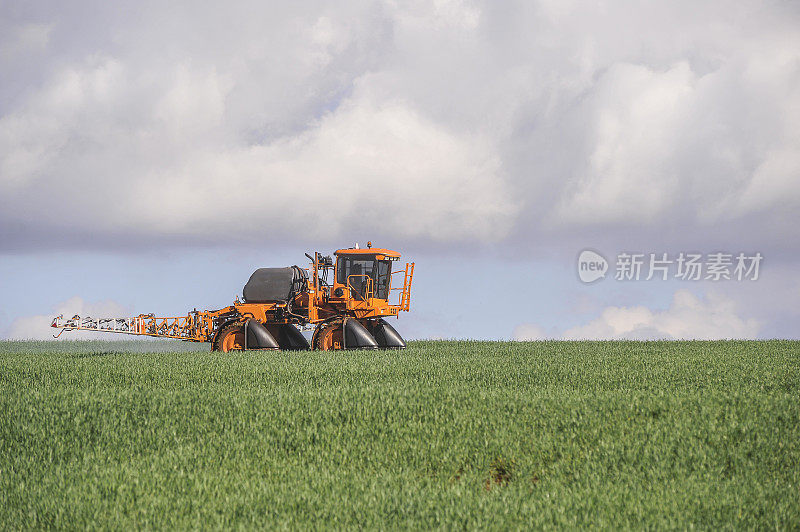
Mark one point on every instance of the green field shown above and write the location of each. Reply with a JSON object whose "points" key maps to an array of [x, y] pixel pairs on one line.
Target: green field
{"points": [[443, 434]]}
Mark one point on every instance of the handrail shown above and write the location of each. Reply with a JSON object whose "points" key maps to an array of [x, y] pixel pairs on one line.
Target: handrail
{"points": [[369, 293], [405, 296]]}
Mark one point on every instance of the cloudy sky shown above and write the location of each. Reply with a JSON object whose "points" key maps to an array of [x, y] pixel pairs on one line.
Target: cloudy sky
{"points": [[153, 154]]}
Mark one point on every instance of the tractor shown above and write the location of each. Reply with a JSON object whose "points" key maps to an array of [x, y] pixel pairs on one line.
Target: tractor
{"points": [[345, 299]]}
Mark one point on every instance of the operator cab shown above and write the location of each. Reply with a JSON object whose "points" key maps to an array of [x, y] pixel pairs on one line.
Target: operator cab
{"points": [[366, 272]]}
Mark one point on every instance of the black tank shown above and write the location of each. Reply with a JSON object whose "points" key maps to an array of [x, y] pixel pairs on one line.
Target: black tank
{"points": [[268, 285]]}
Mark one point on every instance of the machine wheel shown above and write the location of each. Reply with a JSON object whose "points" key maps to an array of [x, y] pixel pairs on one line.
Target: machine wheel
{"points": [[343, 333], [230, 338], [327, 336]]}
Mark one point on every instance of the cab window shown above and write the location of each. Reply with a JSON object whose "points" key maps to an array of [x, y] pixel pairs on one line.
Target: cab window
{"points": [[357, 269]]}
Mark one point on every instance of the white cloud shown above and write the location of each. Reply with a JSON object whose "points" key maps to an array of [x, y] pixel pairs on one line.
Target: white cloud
{"points": [[451, 121], [364, 161], [368, 159], [38, 327], [527, 332], [25, 39], [775, 181], [637, 118], [688, 317]]}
